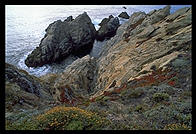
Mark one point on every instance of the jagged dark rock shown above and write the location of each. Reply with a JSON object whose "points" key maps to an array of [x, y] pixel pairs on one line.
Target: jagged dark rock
{"points": [[105, 20], [62, 39], [108, 28], [70, 18], [124, 15]]}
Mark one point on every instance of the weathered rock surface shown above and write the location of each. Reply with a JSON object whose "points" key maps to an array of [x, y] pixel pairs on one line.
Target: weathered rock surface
{"points": [[157, 15], [62, 39], [146, 43], [149, 59], [78, 78], [123, 31], [24, 91], [124, 15], [108, 28]]}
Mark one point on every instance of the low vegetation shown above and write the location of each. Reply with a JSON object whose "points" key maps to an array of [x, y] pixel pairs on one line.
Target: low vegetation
{"points": [[62, 118]]}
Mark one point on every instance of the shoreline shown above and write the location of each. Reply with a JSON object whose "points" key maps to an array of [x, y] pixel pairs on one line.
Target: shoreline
{"points": [[41, 37], [141, 81]]}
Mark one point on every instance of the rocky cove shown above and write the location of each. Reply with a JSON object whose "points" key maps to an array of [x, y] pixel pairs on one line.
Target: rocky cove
{"points": [[141, 80]]}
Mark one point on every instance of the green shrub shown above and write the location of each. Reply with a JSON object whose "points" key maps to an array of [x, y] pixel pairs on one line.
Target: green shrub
{"points": [[62, 118], [141, 108], [177, 126], [158, 97], [75, 125]]}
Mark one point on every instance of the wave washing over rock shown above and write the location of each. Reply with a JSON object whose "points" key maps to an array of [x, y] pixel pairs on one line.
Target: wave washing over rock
{"points": [[142, 80]]}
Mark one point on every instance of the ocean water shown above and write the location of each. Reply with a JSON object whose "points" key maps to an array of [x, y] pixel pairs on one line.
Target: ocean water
{"points": [[25, 27]]}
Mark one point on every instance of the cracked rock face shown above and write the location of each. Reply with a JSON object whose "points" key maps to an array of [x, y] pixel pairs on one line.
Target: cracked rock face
{"points": [[78, 77], [146, 40], [62, 39]]}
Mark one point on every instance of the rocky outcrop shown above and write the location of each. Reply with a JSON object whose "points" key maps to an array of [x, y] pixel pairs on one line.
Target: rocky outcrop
{"points": [[123, 31], [77, 80], [108, 28], [105, 20], [24, 91], [26, 82], [124, 15], [62, 39], [144, 41], [158, 15], [146, 69]]}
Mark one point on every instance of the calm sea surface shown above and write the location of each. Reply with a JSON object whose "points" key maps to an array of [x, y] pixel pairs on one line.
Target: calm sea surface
{"points": [[25, 27]]}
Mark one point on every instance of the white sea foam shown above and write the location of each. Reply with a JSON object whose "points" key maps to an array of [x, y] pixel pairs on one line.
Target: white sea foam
{"points": [[34, 71]]}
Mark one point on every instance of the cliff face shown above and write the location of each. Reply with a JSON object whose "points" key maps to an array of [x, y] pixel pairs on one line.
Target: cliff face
{"points": [[148, 41], [146, 69], [142, 80]]}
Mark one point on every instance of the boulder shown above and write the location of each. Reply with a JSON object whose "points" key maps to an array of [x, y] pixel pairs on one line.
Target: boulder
{"points": [[108, 29], [124, 15], [144, 75], [105, 20], [62, 39]]}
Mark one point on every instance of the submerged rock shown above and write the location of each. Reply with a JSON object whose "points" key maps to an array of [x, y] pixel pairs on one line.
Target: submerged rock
{"points": [[62, 39]]}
